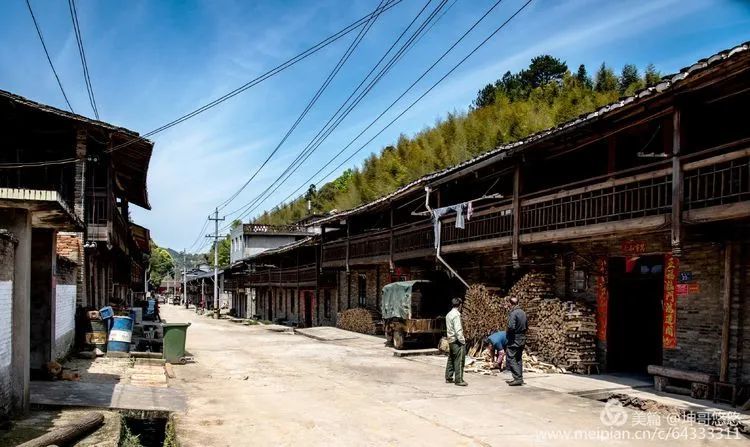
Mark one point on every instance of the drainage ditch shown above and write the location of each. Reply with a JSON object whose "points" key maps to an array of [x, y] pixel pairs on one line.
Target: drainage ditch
{"points": [[142, 428]]}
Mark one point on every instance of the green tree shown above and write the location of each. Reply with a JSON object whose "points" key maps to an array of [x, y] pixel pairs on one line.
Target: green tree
{"points": [[161, 265], [543, 70], [485, 96], [606, 80], [651, 76], [630, 80], [583, 77]]}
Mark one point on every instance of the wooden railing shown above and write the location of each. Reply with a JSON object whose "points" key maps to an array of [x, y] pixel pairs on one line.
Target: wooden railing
{"points": [[628, 198], [290, 276], [488, 223], [413, 238], [717, 181], [639, 192], [370, 244], [334, 251]]}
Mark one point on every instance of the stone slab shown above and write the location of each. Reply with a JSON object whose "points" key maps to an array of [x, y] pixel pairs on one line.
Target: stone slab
{"points": [[106, 395]]}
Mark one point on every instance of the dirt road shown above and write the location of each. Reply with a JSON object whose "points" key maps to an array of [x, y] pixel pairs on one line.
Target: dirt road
{"points": [[253, 386]]}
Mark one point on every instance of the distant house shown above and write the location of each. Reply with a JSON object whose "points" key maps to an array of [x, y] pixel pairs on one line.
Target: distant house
{"points": [[251, 239]]}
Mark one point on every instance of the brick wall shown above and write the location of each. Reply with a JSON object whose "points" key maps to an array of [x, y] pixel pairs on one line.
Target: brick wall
{"points": [[7, 266], [70, 246]]}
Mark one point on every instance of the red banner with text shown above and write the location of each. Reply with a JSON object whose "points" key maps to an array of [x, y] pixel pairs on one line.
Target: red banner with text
{"points": [[671, 273], [602, 300]]}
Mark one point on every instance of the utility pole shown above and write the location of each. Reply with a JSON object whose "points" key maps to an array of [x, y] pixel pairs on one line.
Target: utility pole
{"points": [[184, 279], [216, 260]]}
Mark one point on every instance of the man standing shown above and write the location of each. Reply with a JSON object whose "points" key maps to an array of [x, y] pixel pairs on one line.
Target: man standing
{"points": [[454, 370], [497, 343], [516, 333]]}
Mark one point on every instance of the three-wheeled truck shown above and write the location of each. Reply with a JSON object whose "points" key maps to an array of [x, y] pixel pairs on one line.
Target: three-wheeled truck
{"points": [[413, 310]]}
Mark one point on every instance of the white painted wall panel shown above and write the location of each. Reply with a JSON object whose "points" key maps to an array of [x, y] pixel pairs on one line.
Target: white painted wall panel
{"points": [[6, 322], [65, 309]]}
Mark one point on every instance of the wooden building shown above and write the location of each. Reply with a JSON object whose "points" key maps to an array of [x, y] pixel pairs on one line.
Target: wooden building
{"points": [[66, 183], [641, 208]]}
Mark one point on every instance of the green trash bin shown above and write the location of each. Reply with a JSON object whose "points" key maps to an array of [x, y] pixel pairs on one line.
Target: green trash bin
{"points": [[174, 342]]}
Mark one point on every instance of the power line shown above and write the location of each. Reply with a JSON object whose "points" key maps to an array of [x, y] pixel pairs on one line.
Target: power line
{"points": [[518, 11], [392, 104], [328, 128], [312, 101], [82, 54], [52, 66], [272, 72]]}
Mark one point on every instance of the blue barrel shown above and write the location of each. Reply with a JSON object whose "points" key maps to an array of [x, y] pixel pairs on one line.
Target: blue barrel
{"points": [[120, 335]]}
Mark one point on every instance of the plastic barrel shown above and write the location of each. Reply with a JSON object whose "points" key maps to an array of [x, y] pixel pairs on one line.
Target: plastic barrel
{"points": [[120, 335], [98, 335]]}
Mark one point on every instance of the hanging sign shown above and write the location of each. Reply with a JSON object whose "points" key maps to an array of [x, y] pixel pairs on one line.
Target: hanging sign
{"points": [[686, 276], [633, 247], [602, 300], [671, 273]]}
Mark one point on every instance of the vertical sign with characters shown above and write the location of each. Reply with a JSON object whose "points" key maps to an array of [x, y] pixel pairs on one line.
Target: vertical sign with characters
{"points": [[602, 300], [671, 274]]}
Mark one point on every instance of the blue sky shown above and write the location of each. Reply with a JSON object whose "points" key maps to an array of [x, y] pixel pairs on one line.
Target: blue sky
{"points": [[151, 62]]}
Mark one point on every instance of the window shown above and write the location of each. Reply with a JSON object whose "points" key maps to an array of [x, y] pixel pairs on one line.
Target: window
{"points": [[362, 289], [579, 280], [327, 303]]}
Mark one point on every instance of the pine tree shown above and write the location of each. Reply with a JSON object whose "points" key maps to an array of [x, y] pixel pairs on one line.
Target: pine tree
{"points": [[606, 80], [629, 78], [651, 76], [583, 78]]}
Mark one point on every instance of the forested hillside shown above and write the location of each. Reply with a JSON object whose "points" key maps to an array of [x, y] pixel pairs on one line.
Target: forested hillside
{"points": [[545, 94]]}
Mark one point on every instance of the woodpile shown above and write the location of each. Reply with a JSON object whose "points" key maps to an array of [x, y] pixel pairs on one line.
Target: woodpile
{"points": [[482, 314], [562, 335], [356, 320]]}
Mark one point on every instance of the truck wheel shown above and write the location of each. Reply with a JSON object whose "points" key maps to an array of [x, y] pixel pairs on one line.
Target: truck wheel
{"points": [[388, 335], [398, 339]]}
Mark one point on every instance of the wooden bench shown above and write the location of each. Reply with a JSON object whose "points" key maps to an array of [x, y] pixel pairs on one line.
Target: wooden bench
{"points": [[671, 380]]}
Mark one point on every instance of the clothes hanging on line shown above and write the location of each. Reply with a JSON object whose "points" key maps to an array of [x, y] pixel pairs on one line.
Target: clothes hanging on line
{"points": [[461, 216]]}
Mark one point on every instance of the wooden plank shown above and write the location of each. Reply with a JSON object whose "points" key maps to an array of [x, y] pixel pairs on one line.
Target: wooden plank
{"points": [[630, 225], [726, 309], [679, 374], [478, 245], [716, 160], [716, 213]]}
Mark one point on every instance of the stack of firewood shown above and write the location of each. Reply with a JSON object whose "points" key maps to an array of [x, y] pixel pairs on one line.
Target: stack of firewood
{"points": [[561, 334], [482, 313], [356, 320]]}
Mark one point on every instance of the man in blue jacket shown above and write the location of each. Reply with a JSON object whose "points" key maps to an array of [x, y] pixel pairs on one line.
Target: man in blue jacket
{"points": [[516, 333], [497, 343]]}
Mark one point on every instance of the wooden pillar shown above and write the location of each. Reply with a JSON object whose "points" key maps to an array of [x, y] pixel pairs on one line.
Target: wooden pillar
{"points": [[377, 286], [391, 265], [726, 306], [677, 184], [516, 215]]}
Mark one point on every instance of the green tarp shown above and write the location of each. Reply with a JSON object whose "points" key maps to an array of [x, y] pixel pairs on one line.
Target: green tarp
{"points": [[397, 299]]}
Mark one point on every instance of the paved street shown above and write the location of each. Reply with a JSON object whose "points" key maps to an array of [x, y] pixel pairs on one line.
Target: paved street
{"points": [[253, 386]]}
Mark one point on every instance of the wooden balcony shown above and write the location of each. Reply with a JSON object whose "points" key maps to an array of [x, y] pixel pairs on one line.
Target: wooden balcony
{"points": [[104, 222], [304, 276], [715, 187]]}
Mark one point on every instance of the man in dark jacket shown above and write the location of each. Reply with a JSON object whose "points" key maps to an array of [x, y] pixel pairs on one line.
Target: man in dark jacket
{"points": [[516, 333]]}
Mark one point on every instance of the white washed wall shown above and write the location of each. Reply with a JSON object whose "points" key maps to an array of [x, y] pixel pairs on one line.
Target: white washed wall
{"points": [[6, 335], [65, 313]]}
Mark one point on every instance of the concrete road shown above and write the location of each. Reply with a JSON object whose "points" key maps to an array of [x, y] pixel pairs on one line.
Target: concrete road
{"points": [[252, 386]]}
